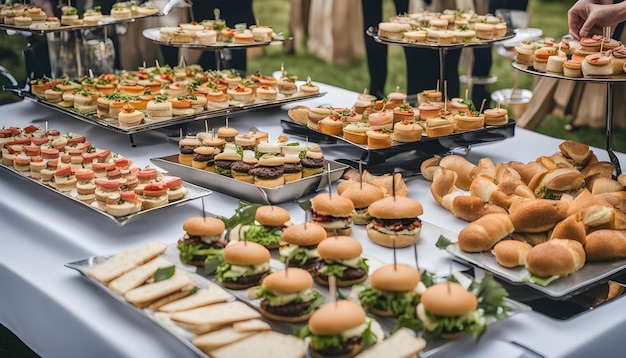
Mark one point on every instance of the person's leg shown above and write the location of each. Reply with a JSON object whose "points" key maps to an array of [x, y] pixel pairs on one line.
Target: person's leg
{"points": [[376, 53]]}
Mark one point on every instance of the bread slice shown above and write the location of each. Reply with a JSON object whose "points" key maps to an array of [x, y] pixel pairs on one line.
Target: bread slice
{"points": [[125, 261], [143, 295], [203, 297], [213, 340], [209, 318], [137, 276], [268, 344], [403, 343]]}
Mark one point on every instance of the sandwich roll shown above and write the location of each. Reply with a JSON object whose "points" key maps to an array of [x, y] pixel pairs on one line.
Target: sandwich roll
{"points": [[560, 257], [481, 235], [606, 244], [462, 167], [511, 253], [572, 227], [431, 165], [444, 182], [537, 215], [466, 207]]}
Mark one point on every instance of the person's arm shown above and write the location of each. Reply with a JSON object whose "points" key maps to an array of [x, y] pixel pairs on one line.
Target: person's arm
{"points": [[586, 18]]}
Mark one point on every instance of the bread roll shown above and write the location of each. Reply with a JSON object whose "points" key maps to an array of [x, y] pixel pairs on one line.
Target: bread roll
{"points": [[506, 173], [485, 167], [604, 169], [537, 215], [511, 253], [555, 257], [444, 181], [468, 208], [606, 245], [481, 235], [429, 167], [482, 187], [598, 185], [583, 200], [533, 238], [572, 227], [462, 167], [578, 152], [597, 215], [527, 170]]}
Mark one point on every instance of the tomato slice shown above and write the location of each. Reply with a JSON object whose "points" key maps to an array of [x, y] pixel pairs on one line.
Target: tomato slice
{"points": [[84, 174], [63, 171], [39, 140], [175, 182], [121, 162], [128, 195], [107, 184], [155, 189]]}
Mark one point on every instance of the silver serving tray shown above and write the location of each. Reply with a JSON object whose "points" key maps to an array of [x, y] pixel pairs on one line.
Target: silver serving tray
{"points": [[373, 32], [82, 266], [153, 34], [106, 20], [288, 192], [532, 71], [195, 192], [592, 273]]}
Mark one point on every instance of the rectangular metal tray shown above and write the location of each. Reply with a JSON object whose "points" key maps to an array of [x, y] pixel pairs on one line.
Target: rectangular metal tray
{"points": [[591, 274], [238, 189], [403, 155], [195, 192]]}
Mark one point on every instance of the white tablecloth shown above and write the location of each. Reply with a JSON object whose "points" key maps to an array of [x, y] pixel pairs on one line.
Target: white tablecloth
{"points": [[58, 313]]}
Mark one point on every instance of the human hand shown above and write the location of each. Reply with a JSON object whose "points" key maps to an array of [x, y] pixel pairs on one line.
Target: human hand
{"points": [[586, 19]]}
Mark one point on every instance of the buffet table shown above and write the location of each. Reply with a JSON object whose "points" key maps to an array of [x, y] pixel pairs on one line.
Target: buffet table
{"points": [[57, 313]]}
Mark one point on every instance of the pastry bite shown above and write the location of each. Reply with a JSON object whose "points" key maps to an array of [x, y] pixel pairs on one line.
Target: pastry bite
{"points": [[287, 85], [380, 120], [393, 30], [316, 114], [597, 66], [428, 110], [572, 69], [464, 34], [429, 96], [415, 36], [540, 61], [243, 37], [591, 44], [618, 60], [437, 127], [446, 37], [468, 121], [206, 37], [356, 132], [262, 33], [525, 53], [499, 30], [484, 31], [308, 88], [379, 138], [402, 112], [241, 94], [396, 98], [496, 116], [129, 116], [555, 63], [406, 131], [331, 125]]}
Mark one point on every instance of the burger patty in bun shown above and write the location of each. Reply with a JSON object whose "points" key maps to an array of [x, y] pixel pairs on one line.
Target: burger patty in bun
{"points": [[395, 221], [332, 212], [299, 245], [341, 257], [203, 239], [244, 265], [267, 229], [361, 195], [394, 290], [289, 295], [339, 329]]}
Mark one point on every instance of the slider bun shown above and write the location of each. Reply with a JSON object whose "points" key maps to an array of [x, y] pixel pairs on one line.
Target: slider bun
{"points": [[339, 248], [362, 196], [511, 253], [555, 257], [395, 278], [192, 142], [272, 215], [448, 299], [227, 156], [290, 280], [336, 317], [398, 207], [605, 244], [392, 240], [204, 226], [246, 253], [225, 132], [332, 204], [481, 235], [537, 215], [271, 161], [308, 234], [314, 155], [576, 151]]}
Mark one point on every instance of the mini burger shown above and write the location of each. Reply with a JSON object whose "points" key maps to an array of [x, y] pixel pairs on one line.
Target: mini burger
{"points": [[224, 161], [267, 228], [269, 172], [203, 240], [448, 310], [292, 168], [244, 265], [332, 212], [362, 195], [340, 257], [289, 296], [299, 245], [186, 148], [394, 290], [241, 170], [395, 221], [339, 329], [312, 163], [204, 158]]}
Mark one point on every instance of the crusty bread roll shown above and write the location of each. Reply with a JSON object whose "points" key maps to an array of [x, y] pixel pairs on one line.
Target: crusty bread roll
{"points": [[482, 187], [484, 167], [466, 207], [598, 185], [481, 235], [511, 253], [429, 167], [537, 215], [583, 200], [615, 199], [557, 181], [598, 215], [555, 257], [528, 171], [578, 152], [462, 167], [606, 244], [444, 181], [505, 173], [604, 169], [572, 227]]}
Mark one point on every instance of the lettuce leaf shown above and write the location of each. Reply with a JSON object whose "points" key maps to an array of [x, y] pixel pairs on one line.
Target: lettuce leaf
{"points": [[541, 281]]}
